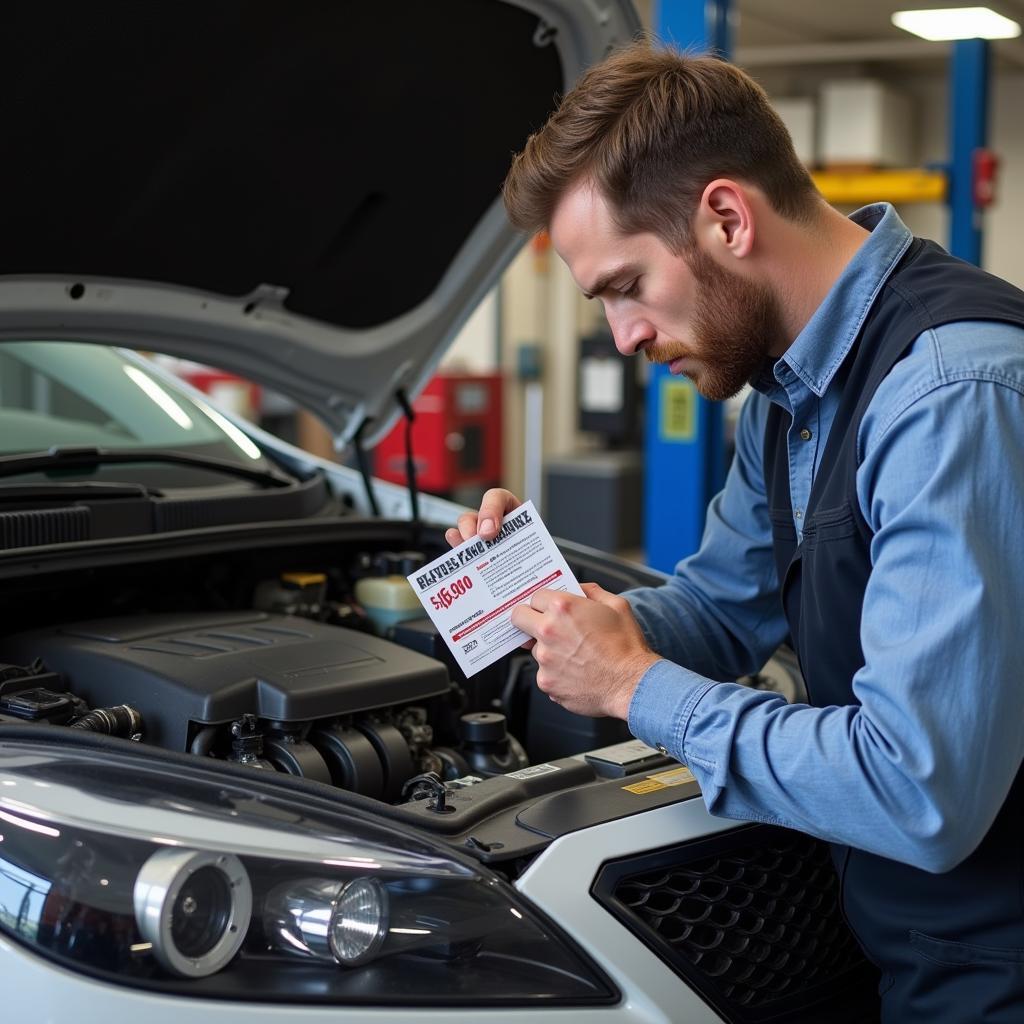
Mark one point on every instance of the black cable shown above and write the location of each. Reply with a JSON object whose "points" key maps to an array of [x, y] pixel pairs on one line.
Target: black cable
{"points": [[410, 462], [364, 468]]}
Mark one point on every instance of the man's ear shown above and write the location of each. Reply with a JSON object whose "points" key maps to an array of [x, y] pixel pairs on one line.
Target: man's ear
{"points": [[724, 221]]}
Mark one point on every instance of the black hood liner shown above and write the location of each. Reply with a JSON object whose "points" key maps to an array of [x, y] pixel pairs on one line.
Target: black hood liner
{"points": [[341, 150]]}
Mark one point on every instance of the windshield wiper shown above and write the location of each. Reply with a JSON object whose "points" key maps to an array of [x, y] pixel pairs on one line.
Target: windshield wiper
{"points": [[74, 490], [60, 457]]}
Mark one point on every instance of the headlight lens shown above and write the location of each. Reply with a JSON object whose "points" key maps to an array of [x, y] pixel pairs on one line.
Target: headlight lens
{"points": [[186, 881], [329, 921], [359, 923]]}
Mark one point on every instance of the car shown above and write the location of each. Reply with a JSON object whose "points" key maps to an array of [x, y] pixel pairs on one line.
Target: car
{"points": [[237, 779]]}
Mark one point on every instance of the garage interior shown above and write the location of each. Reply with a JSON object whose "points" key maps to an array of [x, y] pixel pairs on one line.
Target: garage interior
{"points": [[292, 641]]}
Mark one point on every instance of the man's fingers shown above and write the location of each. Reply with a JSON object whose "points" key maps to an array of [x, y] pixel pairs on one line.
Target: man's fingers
{"points": [[494, 504], [525, 618], [597, 593], [545, 600], [467, 526]]}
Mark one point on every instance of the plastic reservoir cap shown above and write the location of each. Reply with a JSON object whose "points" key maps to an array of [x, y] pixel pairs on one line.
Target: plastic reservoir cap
{"points": [[483, 727], [304, 579]]}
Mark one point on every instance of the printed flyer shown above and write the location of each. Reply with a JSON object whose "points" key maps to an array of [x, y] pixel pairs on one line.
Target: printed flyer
{"points": [[470, 592]]}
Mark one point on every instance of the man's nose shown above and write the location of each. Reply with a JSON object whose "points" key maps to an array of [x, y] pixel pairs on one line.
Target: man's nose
{"points": [[630, 333]]}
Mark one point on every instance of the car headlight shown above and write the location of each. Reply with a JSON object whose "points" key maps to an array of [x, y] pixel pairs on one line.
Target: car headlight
{"points": [[185, 878], [193, 909]]}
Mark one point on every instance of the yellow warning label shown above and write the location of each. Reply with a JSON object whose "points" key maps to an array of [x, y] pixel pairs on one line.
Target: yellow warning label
{"points": [[678, 410], [647, 786], [675, 777]]}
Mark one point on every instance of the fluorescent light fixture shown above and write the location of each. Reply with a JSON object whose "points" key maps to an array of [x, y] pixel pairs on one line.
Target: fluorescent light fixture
{"points": [[957, 23]]}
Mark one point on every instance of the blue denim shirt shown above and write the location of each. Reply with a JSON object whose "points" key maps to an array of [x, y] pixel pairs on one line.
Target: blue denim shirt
{"points": [[918, 770]]}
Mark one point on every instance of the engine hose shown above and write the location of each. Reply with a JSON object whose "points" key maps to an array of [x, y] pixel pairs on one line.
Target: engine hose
{"points": [[120, 721]]}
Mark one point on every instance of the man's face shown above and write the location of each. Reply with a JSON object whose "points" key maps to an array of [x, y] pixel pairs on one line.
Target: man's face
{"points": [[686, 311]]}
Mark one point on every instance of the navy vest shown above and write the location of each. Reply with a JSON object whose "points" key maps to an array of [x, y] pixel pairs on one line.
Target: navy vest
{"points": [[950, 946]]}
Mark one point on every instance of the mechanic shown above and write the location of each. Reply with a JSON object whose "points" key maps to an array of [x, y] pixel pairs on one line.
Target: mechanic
{"points": [[872, 515]]}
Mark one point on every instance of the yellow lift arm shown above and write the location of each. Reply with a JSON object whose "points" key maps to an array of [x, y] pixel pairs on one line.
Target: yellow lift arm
{"points": [[856, 188]]}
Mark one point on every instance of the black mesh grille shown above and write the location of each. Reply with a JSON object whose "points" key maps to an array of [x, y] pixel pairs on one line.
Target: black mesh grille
{"points": [[49, 526], [756, 925]]}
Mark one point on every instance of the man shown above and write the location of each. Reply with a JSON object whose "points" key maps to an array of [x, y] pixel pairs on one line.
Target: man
{"points": [[873, 515]]}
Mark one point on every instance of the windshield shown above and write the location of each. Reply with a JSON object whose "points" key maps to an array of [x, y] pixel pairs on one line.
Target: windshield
{"points": [[68, 394]]}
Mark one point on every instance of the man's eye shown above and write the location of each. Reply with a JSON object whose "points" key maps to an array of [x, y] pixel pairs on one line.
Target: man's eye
{"points": [[631, 290]]}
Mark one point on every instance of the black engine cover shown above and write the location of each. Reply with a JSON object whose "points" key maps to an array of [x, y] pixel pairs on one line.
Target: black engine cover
{"points": [[215, 667]]}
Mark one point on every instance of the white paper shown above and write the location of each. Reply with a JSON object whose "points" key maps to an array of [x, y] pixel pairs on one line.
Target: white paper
{"points": [[469, 593]]}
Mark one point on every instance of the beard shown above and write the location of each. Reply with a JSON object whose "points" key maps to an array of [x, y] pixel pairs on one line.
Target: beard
{"points": [[736, 324]]}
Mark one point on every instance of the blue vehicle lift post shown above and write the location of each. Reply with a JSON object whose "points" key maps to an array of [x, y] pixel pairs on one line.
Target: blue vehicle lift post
{"points": [[684, 443], [968, 92]]}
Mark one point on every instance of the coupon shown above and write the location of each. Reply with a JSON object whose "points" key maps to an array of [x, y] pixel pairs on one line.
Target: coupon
{"points": [[469, 593]]}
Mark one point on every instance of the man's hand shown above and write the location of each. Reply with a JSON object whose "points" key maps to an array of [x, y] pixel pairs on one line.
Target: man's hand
{"points": [[590, 651], [495, 503]]}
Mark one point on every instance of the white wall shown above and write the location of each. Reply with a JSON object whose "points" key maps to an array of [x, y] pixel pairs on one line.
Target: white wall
{"points": [[475, 348], [542, 305], [1003, 223]]}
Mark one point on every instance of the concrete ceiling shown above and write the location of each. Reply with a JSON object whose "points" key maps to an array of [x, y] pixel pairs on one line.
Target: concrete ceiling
{"points": [[774, 22], [804, 31]]}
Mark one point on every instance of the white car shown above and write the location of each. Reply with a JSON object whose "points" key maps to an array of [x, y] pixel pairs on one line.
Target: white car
{"points": [[231, 785]]}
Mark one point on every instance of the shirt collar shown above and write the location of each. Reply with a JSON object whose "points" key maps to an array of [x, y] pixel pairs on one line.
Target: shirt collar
{"points": [[820, 348]]}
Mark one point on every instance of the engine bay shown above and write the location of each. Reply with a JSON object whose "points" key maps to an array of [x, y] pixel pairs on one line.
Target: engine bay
{"points": [[297, 653], [284, 666]]}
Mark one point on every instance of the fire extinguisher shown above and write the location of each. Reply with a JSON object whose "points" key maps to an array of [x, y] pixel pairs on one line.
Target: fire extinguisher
{"points": [[986, 163]]}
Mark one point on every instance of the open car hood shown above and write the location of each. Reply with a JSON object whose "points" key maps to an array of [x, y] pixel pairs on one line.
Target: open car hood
{"points": [[304, 194]]}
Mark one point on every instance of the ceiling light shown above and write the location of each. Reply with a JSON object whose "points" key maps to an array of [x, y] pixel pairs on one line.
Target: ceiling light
{"points": [[957, 23]]}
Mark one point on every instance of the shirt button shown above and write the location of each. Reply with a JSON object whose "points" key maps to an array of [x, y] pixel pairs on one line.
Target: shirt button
{"points": [[661, 749], [805, 435], [799, 513]]}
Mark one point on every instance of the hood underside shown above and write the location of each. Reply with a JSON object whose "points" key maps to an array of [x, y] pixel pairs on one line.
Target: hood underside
{"points": [[306, 194]]}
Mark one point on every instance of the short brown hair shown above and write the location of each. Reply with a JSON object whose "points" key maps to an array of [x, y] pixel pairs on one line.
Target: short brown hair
{"points": [[651, 127]]}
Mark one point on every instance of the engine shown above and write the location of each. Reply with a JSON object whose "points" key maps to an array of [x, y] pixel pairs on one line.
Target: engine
{"points": [[270, 690]]}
